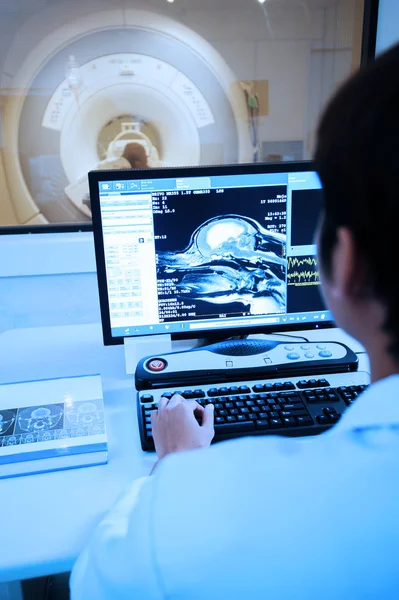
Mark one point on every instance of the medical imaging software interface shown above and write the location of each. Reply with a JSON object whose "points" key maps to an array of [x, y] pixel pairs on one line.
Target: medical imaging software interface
{"points": [[203, 253]]}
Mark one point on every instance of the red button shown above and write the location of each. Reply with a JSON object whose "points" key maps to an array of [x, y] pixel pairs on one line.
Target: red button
{"points": [[156, 365]]}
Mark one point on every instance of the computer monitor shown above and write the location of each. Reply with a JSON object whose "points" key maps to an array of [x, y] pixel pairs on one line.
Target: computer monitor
{"points": [[209, 251]]}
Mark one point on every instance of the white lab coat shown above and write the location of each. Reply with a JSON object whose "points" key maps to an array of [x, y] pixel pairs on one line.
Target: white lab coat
{"points": [[261, 518]]}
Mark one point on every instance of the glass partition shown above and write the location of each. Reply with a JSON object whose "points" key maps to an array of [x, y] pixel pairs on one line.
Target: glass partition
{"points": [[125, 84]]}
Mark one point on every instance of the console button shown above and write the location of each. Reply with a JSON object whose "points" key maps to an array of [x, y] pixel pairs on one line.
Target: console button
{"points": [[156, 365], [325, 354]]}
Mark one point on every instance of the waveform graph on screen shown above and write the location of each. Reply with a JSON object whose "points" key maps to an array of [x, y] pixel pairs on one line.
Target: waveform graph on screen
{"points": [[303, 278], [303, 271]]}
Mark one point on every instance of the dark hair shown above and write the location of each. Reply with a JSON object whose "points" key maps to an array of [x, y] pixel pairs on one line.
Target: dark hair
{"points": [[357, 158]]}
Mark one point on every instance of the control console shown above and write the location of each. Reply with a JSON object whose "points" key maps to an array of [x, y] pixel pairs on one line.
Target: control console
{"points": [[237, 360]]}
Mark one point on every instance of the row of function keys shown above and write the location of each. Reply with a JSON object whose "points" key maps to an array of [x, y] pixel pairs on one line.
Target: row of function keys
{"points": [[242, 389], [325, 394]]}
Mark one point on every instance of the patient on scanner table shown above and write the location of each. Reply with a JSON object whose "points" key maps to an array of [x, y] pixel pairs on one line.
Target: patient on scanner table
{"points": [[137, 152]]}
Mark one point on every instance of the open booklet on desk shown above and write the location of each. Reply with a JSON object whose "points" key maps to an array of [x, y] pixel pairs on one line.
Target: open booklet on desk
{"points": [[51, 424]]}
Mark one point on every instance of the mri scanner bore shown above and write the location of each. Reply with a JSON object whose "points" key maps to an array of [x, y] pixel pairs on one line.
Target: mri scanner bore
{"points": [[137, 95]]}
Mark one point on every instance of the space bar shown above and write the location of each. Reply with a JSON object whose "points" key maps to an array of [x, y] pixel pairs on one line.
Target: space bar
{"points": [[234, 427]]}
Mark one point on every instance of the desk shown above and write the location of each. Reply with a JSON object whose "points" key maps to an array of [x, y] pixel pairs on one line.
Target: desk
{"points": [[46, 519]]}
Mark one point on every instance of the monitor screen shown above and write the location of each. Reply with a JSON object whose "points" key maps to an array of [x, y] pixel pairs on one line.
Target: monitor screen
{"points": [[190, 251]]}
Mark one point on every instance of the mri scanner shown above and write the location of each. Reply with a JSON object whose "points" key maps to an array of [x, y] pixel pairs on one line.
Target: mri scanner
{"points": [[101, 85]]}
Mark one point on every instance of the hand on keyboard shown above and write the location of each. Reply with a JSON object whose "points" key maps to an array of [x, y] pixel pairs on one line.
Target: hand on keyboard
{"points": [[176, 428]]}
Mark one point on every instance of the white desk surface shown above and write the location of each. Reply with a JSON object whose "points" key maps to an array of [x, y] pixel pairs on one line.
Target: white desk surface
{"points": [[46, 519]]}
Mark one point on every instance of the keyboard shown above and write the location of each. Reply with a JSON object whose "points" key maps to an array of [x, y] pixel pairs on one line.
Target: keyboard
{"points": [[290, 407]]}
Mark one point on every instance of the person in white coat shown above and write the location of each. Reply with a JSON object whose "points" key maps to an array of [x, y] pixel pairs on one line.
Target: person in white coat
{"points": [[271, 518]]}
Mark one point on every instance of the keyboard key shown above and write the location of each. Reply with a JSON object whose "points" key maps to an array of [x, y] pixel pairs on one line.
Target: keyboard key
{"points": [[235, 427], [231, 419], [218, 406], [292, 406], [240, 404], [294, 413], [242, 418], [213, 392], [250, 403], [244, 389], [311, 398], [334, 418], [234, 411], [274, 415], [322, 420], [279, 386], [167, 395], [258, 388], [188, 394], [147, 398], [322, 383], [233, 390], [271, 401], [263, 415], [260, 402], [223, 391], [255, 409], [303, 384], [177, 393], [219, 420], [223, 413], [253, 416], [269, 387], [262, 423], [244, 398], [276, 423], [199, 394], [329, 410], [229, 405], [289, 422], [305, 421], [244, 410], [289, 386]]}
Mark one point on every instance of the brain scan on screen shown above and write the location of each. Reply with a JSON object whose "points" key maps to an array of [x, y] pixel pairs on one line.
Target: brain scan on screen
{"points": [[231, 259]]}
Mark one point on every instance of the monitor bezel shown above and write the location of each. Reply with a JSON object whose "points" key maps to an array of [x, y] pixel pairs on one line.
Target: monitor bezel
{"points": [[95, 177]]}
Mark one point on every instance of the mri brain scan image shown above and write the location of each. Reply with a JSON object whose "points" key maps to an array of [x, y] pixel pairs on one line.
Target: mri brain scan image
{"points": [[12, 440], [83, 414], [7, 420], [39, 419], [29, 438], [231, 259]]}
